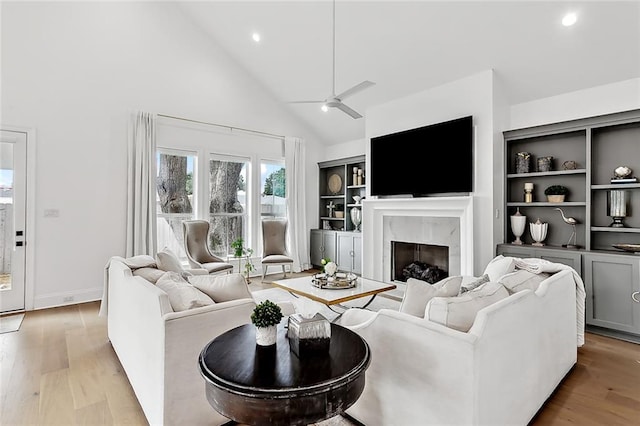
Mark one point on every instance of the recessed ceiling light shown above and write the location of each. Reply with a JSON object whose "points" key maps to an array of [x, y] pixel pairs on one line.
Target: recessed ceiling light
{"points": [[324, 108], [255, 37], [569, 19]]}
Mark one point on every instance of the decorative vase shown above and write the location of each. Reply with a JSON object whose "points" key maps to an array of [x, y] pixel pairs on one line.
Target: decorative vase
{"points": [[357, 199], [544, 164], [538, 232], [356, 217], [555, 198], [266, 336], [518, 222], [523, 160]]}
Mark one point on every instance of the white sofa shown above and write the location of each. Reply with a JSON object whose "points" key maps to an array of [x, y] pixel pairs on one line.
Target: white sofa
{"points": [[500, 372], [159, 348]]}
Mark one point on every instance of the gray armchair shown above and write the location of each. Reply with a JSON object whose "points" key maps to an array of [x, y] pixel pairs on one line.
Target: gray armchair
{"points": [[196, 233], [274, 245]]}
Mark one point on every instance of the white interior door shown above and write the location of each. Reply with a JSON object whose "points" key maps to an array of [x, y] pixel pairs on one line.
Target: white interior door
{"points": [[13, 190]]}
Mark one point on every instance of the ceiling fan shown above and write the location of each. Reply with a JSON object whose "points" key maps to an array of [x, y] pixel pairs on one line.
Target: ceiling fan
{"points": [[335, 101]]}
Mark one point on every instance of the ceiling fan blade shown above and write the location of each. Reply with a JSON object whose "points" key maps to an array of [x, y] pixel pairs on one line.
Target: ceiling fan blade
{"points": [[351, 112], [355, 89], [306, 102]]}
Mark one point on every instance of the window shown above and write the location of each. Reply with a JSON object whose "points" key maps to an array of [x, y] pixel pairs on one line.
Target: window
{"points": [[224, 178], [229, 187], [272, 189], [175, 182]]}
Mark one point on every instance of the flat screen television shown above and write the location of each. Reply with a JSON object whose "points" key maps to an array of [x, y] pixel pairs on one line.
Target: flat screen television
{"points": [[429, 160]]}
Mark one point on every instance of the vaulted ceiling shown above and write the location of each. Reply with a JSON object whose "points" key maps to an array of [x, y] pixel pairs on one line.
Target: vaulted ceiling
{"points": [[407, 47]]}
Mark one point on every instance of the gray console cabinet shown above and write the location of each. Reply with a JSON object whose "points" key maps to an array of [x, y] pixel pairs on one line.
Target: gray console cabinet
{"points": [[564, 256]]}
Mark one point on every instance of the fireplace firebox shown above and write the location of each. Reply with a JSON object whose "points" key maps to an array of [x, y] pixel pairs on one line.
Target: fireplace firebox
{"points": [[415, 260]]}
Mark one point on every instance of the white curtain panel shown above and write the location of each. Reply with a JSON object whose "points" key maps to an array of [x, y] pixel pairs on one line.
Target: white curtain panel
{"points": [[141, 185], [296, 200]]}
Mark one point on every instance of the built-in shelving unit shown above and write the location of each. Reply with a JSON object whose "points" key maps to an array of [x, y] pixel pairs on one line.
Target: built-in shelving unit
{"points": [[597, 146], [336, 236]]}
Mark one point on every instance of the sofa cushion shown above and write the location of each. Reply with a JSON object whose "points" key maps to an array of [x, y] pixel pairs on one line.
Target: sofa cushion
{"points": [[150, 274], [522, 280], [182, 295], [473, 284], [418, 293], [168, 261], [499, 266], [222, 288], [460, 312]]}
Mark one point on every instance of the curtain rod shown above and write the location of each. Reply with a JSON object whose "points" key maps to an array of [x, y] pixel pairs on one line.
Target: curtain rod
{"points": [[271, 135]]}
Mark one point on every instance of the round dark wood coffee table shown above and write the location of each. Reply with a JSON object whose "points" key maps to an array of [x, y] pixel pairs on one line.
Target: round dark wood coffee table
{"points": [[271, 385]]}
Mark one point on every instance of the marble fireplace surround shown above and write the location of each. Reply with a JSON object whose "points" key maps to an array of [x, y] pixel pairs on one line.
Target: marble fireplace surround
{"points": [[430, 220]]}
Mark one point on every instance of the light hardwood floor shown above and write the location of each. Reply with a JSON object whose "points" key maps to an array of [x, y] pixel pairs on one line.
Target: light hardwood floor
{"points": [[60, 369]]}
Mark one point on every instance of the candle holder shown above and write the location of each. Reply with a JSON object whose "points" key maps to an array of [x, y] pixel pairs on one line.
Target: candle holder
{"points": [[528, 192], [617, 207]]}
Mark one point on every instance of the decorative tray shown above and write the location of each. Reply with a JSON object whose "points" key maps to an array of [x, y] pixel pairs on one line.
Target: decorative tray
{"points": [[339, 282], [634, 248]]}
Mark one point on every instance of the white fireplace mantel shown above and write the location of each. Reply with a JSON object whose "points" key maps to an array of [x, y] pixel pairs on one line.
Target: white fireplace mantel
{"points": [[374, 211]]}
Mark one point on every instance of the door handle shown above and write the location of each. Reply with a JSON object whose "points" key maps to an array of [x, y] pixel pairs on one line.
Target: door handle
{"points": [[19, 233], [633, 296], [21, 243]]}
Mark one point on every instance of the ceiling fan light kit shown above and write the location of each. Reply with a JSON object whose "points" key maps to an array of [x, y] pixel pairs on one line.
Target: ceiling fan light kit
{"points": [[335, 101]]}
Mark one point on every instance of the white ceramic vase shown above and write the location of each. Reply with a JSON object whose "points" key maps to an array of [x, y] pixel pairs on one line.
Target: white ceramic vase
{"points": [[538, 232], [518, 222], [266, 336]]}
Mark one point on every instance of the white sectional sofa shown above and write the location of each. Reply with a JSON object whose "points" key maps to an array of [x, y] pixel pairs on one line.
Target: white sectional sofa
{"points": [[159, 348], [499, 372]]}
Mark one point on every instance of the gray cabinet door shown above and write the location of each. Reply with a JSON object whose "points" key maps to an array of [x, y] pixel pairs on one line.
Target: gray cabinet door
{"points": [[611, 282], [349, 247], [323, 244]]}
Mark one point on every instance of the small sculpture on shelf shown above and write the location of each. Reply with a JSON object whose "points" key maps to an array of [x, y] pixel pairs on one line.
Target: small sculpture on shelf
{"points": [[518, 220], [570, 221], [331, 207], [622, 174], [545, 163]]}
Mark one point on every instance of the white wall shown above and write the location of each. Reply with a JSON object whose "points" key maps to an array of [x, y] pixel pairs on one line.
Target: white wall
{"points": [[468, 96], [74, 71], [605, 99]]}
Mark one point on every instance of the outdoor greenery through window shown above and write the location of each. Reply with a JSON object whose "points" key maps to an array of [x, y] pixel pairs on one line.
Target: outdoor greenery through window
{"points": [[273, 195], [228, 202], [227, 196]]}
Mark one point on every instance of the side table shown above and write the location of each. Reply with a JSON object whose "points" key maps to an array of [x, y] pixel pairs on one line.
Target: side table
{"points": [[271, 386]]}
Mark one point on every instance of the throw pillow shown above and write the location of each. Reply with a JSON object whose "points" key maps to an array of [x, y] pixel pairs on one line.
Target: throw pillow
{"points": [[418, 293], [168, 261], [522, 280], [499, 266], [222, 288], [460, 312], [182, 295], [150, 274], [467, 286]]}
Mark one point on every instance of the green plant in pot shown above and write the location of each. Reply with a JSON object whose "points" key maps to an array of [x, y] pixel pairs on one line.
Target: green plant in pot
{"points": [[240, 251], [266, 316], [556, 193]]}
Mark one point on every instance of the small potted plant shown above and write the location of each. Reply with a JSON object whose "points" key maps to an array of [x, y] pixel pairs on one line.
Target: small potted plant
{"points": [[330, 268], [266, 316], [556, 193], [240, 251]]}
